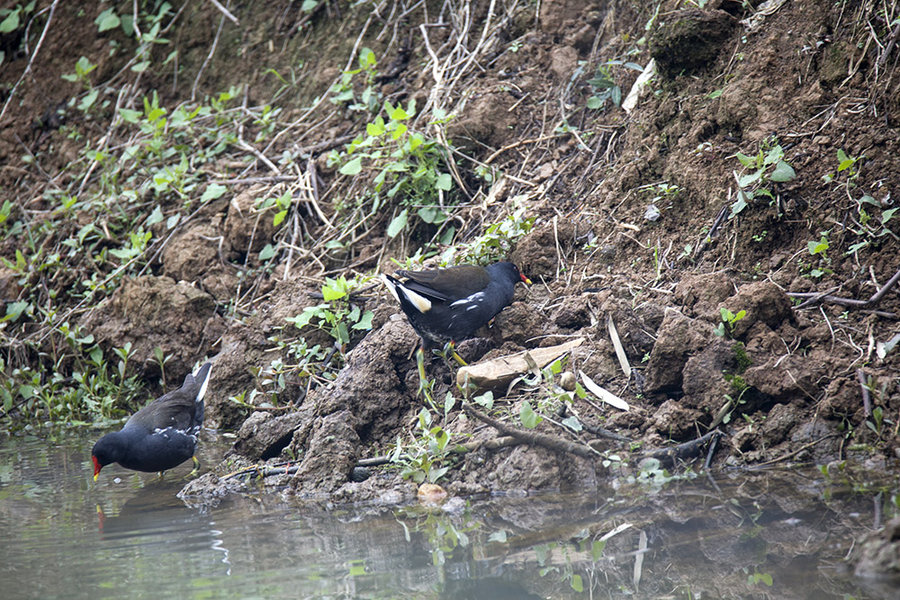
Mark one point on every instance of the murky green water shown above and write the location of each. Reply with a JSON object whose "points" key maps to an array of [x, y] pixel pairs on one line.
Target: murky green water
{"points": [[129, 536]]}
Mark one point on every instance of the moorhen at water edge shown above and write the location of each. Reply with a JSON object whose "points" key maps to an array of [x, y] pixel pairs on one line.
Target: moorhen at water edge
{"points": [[160, 436]]}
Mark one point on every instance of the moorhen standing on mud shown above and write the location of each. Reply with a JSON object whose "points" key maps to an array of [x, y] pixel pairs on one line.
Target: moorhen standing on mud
{"points": [[160, 436], [449, 305]]}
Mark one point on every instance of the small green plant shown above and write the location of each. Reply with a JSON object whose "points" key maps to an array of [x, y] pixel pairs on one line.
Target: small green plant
{"points": [[424, 457], [877, 422], [729, 320], [338, 315], [497, 240], [743, 359], [343, 92], [12, 19], [408, 170], [819, 249], [757, 578], [604, 85], [847, 165], [872, 224], [765, 167]]}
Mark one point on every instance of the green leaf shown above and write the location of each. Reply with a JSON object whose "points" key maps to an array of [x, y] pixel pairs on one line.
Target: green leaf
{"points": [[616, 96], [399, 130], [449, 402], [398, 224], [572, 423], [817, 247], [141, 66], [376, 127], [352, 168], [747, 161], [107, 20], [782, 172], [528, 417], [577, 584], [155, 217], [279, 218], [303, 319], [88, 100], [773, 155], [398, 114], [444, 182], [595, 102], [129, 116], [867, 199], [309, 5], [432, 214], [887, 215], [365, 322], [597, 548], [332, 292], [213, 191], [366, 58], [128, 24], [340, 333], [739, 205], [11, 22], [498, 536], [486, 400], [14, 310], [749, 179], [267, 252]]}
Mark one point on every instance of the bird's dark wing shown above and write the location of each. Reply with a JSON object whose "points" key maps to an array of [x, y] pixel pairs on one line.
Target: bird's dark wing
{"points": [[181, 408], [447, 285], [175, 409]]}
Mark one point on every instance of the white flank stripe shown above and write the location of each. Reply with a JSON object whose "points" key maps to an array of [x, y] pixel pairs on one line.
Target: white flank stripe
{"points": [[473, 299], [422, 304], [391, 287], [202, 391]]}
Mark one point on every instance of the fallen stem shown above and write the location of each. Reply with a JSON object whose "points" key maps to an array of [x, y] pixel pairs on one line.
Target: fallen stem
{"points": [[551, 442], [851, 302]]}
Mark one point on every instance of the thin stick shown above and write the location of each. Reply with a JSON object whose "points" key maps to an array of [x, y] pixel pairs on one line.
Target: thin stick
{"points": [[866, 396], [212, 50], [30, 60], [851, 302], [225, 12], [551, 442]]}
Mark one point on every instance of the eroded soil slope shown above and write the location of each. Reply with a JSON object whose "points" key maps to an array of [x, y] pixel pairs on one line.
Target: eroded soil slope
{"points": [[648, 219]]}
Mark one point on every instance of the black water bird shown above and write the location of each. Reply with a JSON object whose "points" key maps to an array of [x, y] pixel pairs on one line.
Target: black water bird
{"points": [[160, 436], [450, 305]]}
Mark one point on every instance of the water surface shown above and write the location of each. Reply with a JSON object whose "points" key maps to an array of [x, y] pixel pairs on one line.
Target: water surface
{"points": [[781, 535]]}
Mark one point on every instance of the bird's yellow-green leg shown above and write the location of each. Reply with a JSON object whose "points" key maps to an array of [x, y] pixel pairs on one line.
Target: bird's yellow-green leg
{"points": [[196, 467], [450, 351], [424, 384], [420, 363]]}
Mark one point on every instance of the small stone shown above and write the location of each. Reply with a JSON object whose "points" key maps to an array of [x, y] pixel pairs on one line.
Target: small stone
{"points": [[430, 493], [567, 381]]}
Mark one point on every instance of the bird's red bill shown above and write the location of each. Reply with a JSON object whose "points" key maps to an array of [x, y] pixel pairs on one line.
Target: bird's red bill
{"points": [[525, 279], [97, 467]]}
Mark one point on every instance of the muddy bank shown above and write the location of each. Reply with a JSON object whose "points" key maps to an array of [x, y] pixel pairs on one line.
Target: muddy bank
{"points": [[736, 284]]}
